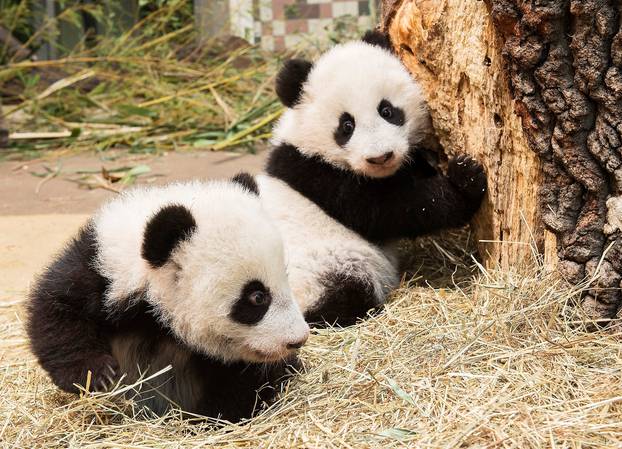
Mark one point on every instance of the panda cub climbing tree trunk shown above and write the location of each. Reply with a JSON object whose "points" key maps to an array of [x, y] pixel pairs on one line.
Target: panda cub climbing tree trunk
{"points": [[533, 91], [349, 174]]}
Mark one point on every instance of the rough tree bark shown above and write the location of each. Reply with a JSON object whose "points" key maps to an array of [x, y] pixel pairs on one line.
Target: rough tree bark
{"points": [[534, 90]]}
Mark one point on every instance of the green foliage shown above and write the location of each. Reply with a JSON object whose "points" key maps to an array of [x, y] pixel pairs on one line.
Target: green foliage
{"points": [[15, 15], [148, 88], [180, 12]]}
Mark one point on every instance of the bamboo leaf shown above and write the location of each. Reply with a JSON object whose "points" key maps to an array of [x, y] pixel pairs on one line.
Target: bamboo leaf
{"points": [[398, 433], [129, 110], [400, 392]]}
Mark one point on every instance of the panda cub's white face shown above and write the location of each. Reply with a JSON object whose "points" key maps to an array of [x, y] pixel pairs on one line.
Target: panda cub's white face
{"points": [[210, 262], [232, 296], [359, 110]]}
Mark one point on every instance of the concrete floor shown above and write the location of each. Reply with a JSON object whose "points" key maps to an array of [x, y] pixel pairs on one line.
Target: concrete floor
{"points": [[34, 226]]}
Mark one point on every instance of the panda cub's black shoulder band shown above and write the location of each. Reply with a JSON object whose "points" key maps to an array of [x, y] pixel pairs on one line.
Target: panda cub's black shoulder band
{"points": [[165, 230], [246, 180]]}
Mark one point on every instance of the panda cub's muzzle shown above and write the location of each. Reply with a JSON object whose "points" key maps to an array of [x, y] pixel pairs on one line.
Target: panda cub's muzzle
{"points": [[382, 159], [282, 352]]}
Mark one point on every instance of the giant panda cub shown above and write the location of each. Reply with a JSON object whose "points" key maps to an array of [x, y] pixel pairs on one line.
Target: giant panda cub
{"points": [[346, 177], [191, 275]]}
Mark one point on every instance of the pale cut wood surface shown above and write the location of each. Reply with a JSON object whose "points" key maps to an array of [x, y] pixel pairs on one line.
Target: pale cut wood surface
{"points": [[451, 47]]}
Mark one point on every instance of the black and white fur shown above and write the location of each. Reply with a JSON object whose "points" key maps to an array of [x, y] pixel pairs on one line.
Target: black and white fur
{"points": [[190, 275], [346, 177]]}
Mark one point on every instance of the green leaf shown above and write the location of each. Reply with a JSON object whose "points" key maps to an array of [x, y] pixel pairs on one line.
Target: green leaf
{"points": [[99, 88], [213, 135], [138, 170], [130, 109], [134, 172], [202, 143], [398, 433], [400, 392]]}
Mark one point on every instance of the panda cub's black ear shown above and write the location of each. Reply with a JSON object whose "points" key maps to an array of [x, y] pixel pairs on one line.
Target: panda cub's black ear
{"points": [[290, 79], [165, 230], [247, 181], [379, 39]]}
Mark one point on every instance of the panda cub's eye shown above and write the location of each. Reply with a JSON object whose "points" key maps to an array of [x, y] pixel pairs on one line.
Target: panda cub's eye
{"points": [[347, 127], [259, 298], [390, 113], [252, 304], [386, 112], [344, 131]]}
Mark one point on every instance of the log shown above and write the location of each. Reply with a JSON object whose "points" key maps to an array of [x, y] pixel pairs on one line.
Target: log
{"points": [[534, 91]]}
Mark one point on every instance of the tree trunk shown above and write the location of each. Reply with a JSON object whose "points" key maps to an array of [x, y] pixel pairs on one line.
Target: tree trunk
{"points": [[534, 91]]}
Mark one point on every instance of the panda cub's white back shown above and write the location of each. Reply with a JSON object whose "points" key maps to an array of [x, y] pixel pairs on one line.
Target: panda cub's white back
{"points": [[320, 250]]}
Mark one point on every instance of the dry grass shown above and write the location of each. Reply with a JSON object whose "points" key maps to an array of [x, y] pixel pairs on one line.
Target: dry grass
{"points": [[150, 89], [500, 360]]}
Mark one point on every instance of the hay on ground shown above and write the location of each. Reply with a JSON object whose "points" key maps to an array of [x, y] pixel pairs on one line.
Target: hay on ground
{"points": [[500, 360]]}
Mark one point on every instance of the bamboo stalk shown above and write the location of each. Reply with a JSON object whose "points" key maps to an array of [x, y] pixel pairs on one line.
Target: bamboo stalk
{"points": [[165, 38], [191, 91], [65, 82], [237, 136]]}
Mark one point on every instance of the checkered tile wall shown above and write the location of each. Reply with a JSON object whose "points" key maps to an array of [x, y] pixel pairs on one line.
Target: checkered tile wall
{"points": [[281, 24]]}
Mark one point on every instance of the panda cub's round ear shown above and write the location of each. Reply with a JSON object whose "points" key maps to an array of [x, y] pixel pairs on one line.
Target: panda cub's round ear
{"points": [[165, 231], [290, 79], [379, 39]]}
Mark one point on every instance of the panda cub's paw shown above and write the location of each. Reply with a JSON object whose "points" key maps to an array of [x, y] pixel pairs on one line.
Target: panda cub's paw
{"points": [[468, 176], [104, 374]]}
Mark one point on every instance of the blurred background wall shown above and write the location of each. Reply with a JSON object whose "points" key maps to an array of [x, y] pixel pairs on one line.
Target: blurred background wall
{"points": [[272, 24]]}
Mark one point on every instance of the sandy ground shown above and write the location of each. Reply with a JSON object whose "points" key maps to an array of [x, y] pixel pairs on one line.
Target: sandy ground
{"points": [[34, 226]]}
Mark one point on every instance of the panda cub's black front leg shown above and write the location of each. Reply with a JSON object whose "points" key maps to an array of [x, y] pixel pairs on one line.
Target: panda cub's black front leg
{"points": [[68, 345], [67, 323], [450, 201], [468, 176]]}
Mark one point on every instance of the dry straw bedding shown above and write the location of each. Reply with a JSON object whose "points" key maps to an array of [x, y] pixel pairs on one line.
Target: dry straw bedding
{"points": [[501, 360]]}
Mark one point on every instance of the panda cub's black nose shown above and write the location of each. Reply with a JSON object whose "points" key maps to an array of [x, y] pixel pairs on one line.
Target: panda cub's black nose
{"points": [[379, 160]]}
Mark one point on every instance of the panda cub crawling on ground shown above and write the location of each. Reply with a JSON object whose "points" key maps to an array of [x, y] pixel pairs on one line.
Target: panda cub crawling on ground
{"points": [[346, 178], [190, 275]]}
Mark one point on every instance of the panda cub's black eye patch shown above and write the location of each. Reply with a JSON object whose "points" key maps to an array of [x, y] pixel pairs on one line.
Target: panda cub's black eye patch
{"points": [[252, 304], [390, 113], [345, 129]]}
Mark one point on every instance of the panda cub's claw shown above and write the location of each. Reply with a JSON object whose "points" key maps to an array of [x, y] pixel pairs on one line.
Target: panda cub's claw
{"points": [[107, 376], [104, 374], [468, 176]]}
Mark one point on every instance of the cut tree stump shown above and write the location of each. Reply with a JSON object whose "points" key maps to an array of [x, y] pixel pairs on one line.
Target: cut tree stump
{"points": [[534, 91]]}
